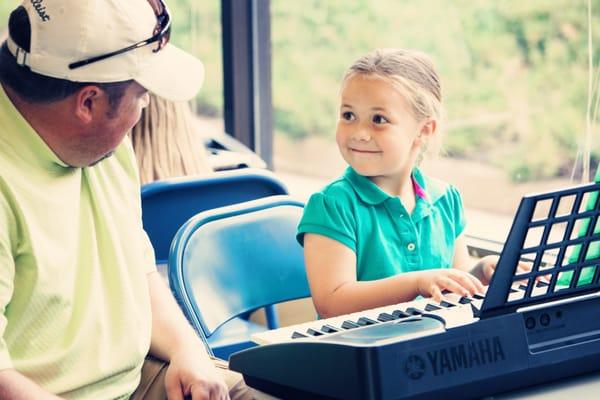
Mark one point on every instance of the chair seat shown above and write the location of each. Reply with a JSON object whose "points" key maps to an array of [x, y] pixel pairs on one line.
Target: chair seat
{"points": [[233, 336]]}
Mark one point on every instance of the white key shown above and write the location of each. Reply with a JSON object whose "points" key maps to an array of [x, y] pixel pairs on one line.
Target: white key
{"points": [[458, 315]]}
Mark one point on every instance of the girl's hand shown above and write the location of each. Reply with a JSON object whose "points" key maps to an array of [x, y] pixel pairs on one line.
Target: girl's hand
{"points": [[484, 269], [486, 266], [432, 283]]}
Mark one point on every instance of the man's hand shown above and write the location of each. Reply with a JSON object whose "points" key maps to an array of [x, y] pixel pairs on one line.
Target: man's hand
{"points": [[194, 375]]}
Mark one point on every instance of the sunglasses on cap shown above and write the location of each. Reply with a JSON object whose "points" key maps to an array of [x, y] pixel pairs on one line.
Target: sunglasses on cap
{"points": [[160, 35]]}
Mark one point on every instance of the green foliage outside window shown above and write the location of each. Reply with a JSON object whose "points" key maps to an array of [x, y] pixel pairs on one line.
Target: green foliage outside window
{"points": [[514, 72]]}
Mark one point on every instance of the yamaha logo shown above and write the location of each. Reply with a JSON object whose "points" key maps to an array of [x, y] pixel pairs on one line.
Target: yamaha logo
{"points": [[414, 367], [472, 354]]}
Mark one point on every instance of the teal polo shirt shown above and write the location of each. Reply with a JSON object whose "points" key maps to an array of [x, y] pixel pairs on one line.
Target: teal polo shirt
{"points": [[387, 239]]}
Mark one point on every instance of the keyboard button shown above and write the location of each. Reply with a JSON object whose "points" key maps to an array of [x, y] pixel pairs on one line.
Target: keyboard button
{"points": [[329, 329], [478, 296], [313, 332], [400, 314], [298, 335], [465, 300], [385, 317], [349, 325], [432, 307], [542, 284], [364, 321], [446, 304], [414, 311]]}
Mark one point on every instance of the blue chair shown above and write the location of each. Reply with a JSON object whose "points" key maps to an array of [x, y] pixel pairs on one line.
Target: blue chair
{"points": [[167, 204], [233, 260]]}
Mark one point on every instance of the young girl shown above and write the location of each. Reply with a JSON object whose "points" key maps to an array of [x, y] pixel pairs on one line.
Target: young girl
{"points": [[384, 233]]}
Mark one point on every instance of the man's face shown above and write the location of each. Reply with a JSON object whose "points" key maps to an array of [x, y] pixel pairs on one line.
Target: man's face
{"points": [[111, 125]]}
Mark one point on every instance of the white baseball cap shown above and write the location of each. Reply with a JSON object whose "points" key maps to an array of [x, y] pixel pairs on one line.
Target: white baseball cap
{"points": [[66, 36]]}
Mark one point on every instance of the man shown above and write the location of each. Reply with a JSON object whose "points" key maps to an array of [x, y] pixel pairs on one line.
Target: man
{"points": [[81, 303]]}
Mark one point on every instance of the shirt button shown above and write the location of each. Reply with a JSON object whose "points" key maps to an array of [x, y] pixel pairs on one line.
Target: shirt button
{"points": [[411, 247]]}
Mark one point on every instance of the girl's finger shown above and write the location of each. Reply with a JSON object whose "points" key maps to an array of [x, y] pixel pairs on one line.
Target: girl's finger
{"points": [[436, 293], [453, 286]]}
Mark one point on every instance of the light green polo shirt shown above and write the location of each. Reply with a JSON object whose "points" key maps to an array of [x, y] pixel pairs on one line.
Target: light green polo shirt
{"points": [[74, 306], [386, 239]]}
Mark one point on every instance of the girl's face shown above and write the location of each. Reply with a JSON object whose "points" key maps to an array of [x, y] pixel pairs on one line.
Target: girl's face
{"points": [[377, 133]]}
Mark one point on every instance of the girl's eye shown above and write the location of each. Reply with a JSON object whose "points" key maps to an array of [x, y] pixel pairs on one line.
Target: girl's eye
{"points": [[348, 116], [380, 119]]}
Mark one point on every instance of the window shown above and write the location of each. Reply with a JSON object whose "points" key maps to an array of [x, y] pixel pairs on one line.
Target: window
{"points": [[515, 81]]}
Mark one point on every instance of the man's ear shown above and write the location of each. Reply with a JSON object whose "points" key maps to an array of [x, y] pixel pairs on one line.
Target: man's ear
{"points": [[87, 103]]}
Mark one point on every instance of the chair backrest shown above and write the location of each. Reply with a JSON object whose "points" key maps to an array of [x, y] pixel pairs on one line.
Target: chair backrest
{"points": [[228, 261], [167, 204]]}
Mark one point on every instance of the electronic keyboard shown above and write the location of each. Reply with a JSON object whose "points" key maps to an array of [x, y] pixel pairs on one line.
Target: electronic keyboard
{"points": [[529, 327]]}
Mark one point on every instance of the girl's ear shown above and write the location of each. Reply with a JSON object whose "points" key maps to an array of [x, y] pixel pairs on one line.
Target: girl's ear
{"points": [[429, 128]]}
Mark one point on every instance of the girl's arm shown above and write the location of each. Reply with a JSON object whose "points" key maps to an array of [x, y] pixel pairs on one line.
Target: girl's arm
{"points": [[331, 271], [462, 260]]}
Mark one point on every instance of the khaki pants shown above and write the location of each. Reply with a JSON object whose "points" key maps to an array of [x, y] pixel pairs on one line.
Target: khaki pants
{"points": [[152, 384]]}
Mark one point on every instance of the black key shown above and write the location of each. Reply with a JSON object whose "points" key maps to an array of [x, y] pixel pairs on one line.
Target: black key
{"points": [[432, 307], [414, 311], [478, 296], [542, 284], [400, 314], [329, 329], [349, 324], [314, 332], [511, 290], [523, 287], [464, 300], [385, 317], [364, 321], [297, 335], [444, 303]]}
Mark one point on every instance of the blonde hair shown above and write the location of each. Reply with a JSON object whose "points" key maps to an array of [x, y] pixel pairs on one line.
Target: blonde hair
{"points": [[414, 75], [165, 142]]}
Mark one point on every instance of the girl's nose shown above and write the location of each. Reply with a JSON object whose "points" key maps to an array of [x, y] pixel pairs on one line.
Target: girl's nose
{"points": [[361, 134]]}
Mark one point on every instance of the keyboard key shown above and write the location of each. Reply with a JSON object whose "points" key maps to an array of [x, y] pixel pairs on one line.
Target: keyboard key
{"points": [[465, 300], [414, 311], [349, 325], [364, 321], [478, 296], [314, 332], [385, 317], [446, 304], [298, 335], [329, 329], [542, 284], [432, 307], [400, 314]]}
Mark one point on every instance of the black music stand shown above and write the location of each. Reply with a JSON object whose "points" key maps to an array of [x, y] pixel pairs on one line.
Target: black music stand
{"points": [[559, 234]]}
